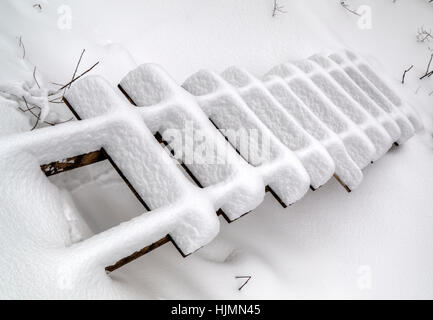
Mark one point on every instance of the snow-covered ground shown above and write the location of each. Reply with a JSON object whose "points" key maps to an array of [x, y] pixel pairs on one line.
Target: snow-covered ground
{"points": [[375, 242]]}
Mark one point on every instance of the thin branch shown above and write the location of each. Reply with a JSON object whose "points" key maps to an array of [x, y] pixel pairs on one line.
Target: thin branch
{"points": [[21, 44], [34, 77], [76, 67], [347, 7], [72, 81], [59, 122], [58, 101], [423, 35], [38, 117], [243, 277], [28, 109], [277, 9], [428, 73], [429, 63], [404, 74], [57, 84]]}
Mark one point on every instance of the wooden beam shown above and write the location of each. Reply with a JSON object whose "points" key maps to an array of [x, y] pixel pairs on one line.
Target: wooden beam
{"points": [[342, 183], [138, 254], [269, 189], [67, 164]]}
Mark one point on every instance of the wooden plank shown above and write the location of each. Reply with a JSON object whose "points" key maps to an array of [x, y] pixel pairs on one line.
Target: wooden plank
{"points": [[100, 155], [67, 164], [138, 254], [126, 95], [269, 189], [342, 183]]}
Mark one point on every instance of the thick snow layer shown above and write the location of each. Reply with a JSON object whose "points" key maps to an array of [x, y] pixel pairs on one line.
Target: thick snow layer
{"points": [[145, 164], [310, 152], [276, 164], [385, 89], [168, 109], [345, 168], [358, 95], [407, 130], [360, 148], [374, 131]]}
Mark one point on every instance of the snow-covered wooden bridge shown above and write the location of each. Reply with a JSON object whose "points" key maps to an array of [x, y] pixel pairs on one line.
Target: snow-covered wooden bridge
{"points": [[305, 122]]}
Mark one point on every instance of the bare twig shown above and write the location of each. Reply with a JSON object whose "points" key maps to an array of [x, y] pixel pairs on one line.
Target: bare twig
{"points": [[21, 44], [38, 117], [277, 9], [75, 79], [57, 84], [243, 277], [428, 73], [429, 63], [76, 67], [34, 77], [75, 72], [57, 100], [404, 73], [347, 7], [424, 35], [27, 109], [59, 122], [30, 107]]}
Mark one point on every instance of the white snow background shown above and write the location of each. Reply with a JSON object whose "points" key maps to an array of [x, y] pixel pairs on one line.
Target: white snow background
{"points": [[376, 242]]}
